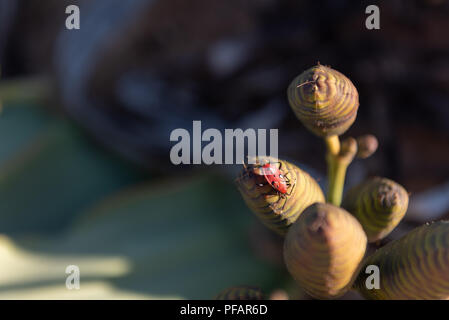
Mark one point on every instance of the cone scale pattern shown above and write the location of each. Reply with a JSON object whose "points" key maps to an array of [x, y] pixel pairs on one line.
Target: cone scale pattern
{"points": [[379, 204], [323, 250], [278, 212], [324, 100], [415, 266]]}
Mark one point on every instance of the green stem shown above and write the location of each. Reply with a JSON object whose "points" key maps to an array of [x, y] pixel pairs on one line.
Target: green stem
{"points": [[336, 176], [338, 159]]}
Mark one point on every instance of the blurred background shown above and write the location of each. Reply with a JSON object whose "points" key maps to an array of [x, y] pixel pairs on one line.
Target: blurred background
{"points": [[85, 174]]}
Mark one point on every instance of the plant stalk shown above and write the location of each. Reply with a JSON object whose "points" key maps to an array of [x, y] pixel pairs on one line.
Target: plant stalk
{"points": [[338, 158]]}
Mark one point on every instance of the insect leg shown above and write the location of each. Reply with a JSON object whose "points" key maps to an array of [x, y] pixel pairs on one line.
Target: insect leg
{"points": [[285, 202]]}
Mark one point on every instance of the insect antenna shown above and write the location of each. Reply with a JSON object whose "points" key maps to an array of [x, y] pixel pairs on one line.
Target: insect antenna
{"points": [[303, 84]]}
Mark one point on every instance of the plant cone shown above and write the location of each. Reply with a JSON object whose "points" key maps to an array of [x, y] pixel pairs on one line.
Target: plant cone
{"points": [[323, 250], [278, 211], [379, 204], [415, 266], [324, 100]]}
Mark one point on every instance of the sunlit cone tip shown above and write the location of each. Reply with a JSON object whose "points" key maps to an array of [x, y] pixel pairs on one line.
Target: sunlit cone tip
{"points": [[324, 100]]}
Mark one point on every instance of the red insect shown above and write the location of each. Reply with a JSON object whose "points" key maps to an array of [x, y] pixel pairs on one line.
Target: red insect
{"points": [[273, 176], [270, 174]]}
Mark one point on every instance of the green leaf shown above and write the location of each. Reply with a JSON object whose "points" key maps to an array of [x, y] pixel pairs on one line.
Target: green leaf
{"points": [[165, 240], [49, 171], [64, 201]]}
